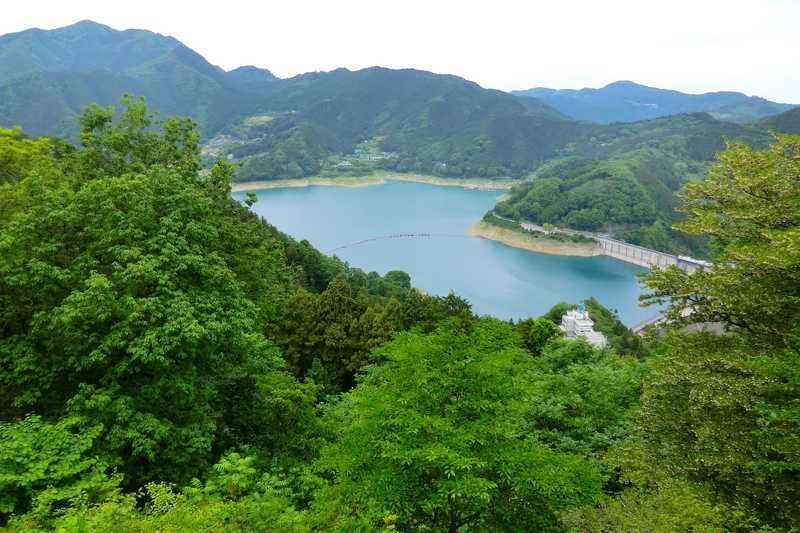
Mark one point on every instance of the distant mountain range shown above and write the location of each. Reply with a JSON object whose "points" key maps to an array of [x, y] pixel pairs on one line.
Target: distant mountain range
{"points": [[626, 101]]}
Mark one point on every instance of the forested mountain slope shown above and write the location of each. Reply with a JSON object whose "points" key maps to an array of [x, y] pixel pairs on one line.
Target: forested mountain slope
{"points": [[788, 122], [625, 179], [626, 101], [48, 77], [432, 123], [437, 123]]}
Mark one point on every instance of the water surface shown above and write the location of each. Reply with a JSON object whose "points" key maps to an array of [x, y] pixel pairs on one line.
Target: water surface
{"points": [[496, 279]]}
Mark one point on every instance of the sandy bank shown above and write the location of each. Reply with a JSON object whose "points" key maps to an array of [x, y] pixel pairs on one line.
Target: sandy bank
{"points": [[377, 179], [529, 242]]}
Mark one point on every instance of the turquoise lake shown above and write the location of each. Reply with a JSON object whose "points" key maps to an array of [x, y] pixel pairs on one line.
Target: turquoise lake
{"points": [[497, 279]]}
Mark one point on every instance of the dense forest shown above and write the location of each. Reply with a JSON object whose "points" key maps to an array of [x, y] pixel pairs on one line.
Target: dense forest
{"points": [[627, 180], [47, 77], [634, 197], [788, 122], [171, 362]]}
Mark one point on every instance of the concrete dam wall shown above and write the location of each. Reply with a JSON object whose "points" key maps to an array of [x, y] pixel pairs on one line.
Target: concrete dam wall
{"points": [[645, 257], [624, 251]]}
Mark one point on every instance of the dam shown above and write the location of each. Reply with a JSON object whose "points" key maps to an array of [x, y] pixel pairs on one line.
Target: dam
{"points": [[624, 251]]}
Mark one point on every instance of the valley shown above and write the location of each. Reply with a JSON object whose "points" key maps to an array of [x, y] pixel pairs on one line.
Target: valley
{"points": [[392, 299], [620, 172]]}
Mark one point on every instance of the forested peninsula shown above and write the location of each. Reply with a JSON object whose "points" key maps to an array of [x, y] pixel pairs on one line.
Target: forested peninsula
{"points": [[170, 362]]}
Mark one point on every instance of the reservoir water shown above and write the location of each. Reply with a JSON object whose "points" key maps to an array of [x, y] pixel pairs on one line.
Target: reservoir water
{"points": [[497, 279]]}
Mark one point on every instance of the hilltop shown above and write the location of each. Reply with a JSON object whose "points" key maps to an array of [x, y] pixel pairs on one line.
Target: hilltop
{"points": [[427, 122], [48, 76]]}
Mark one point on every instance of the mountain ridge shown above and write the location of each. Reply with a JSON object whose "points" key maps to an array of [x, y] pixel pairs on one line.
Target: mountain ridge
{"points": [[69, 67], [628, 101]]}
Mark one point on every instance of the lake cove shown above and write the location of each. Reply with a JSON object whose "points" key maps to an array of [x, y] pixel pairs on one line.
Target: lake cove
{"points": [[422, 229]]}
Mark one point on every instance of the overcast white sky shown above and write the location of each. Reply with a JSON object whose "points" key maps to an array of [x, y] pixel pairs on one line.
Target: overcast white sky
{"points": [[690, 45]]}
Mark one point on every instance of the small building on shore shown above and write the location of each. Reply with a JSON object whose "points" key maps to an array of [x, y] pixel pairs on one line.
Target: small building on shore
{"points": [[576, 323]]}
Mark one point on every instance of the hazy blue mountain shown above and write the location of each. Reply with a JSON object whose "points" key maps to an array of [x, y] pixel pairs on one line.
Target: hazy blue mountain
{"points": [[626, 101], [80, 48], [252, 75]]}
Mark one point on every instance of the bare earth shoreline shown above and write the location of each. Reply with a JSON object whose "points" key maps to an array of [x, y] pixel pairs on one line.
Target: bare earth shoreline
{"points": [[529, 242], [377, 179]]}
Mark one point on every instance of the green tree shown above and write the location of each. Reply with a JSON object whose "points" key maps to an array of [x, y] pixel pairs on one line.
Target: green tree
{"points": [[20, 154], [536, 333], [46, 466], [724, 410], [132, 301], [432, 439], [583, 399], [748, 205], [136, 141], [399, 278], [236, 497]]}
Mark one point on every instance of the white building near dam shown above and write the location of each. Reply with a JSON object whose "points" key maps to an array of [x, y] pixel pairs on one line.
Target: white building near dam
{"points": [[576, 323]]}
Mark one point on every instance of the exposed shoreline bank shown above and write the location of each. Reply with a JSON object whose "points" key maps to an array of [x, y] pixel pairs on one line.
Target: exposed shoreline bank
{"points": [[529, 242], [377, 179]]}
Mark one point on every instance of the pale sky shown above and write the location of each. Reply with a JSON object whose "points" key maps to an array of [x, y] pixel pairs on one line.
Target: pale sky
{"points": [[752, 46]]}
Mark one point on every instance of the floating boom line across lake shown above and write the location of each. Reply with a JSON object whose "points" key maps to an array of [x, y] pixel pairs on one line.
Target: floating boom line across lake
{"points": [[395, 236]]}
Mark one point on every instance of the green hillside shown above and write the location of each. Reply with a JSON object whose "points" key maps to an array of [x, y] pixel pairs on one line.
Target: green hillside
{"points": [[625, 179], [433, 123], [788, 122], [48, 77]]}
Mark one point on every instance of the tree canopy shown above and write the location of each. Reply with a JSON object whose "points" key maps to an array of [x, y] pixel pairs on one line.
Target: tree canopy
{"points": [[433, 437], [723, 411]]}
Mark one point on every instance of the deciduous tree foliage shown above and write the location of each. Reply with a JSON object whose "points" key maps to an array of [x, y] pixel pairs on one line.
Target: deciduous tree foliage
{"points": [[582, 399], [138, 301], [536, 333], [45, 466], [724, 411], [19, 154], [748, 205], [432, 438], [125, 302]]}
